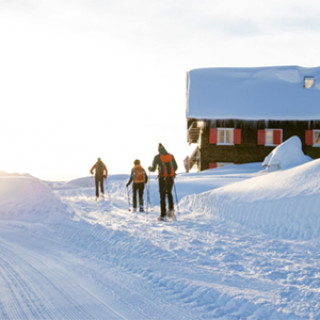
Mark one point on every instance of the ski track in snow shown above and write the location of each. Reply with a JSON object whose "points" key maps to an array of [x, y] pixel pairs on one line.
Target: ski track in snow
{"points": [[41, 287], [210, 267], [109, 263]]}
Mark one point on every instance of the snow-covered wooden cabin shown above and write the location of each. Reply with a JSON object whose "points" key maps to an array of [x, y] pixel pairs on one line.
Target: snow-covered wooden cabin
{"points": [[238, 115]]}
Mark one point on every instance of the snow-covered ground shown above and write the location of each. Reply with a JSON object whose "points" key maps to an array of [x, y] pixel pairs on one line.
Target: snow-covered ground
{"points": [[245, 246]]}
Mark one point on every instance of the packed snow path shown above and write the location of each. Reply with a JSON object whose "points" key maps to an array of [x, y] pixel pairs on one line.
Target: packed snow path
{"points": [[104, 262], [208, 267], [42, 279]]}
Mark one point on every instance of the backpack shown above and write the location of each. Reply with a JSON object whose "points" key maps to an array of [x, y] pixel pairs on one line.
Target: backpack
{"points": [[138, 175], [167, 169], [100, 169]]}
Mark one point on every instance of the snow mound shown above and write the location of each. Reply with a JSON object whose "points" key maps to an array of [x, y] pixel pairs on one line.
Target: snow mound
{"points": [[283, 203], [89, 182], [286, 155], [84, 182], [28, 198]]}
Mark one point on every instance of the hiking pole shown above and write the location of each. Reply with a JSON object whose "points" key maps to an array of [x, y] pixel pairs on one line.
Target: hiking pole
{"points": [[175, 191], [92, 182], [148, 194], [128, 199], [108, 192]]}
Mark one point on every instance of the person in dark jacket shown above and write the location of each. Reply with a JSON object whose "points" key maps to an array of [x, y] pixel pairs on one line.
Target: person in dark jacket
{"points": [[167, 166], [139, 178], [101, 173]]}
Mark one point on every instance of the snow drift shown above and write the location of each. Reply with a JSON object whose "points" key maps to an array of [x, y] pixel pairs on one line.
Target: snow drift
{"points": [[286, 155], [89, 182], [222, 259], [283, 203], [25, 197]]}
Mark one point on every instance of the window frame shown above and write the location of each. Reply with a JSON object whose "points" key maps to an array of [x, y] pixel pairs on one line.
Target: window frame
{"points": [[313, 137], [225, 135], [273, 130]]}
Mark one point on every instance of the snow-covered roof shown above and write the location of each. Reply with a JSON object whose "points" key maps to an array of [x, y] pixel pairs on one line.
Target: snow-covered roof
{"points": [[272, 93]]}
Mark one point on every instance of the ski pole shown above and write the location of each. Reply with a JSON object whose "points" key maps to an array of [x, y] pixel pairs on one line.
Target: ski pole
{"points": [[148, 193], [128, 199], [106, 184], [93, 181], [175, 191]]}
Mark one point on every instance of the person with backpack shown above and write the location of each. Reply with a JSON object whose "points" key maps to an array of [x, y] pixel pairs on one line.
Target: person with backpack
{"points": [[101, 173], [139, 178], [167, 166]]}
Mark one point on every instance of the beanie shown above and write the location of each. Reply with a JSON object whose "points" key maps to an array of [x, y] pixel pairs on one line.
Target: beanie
{"points": [[161, 147]]}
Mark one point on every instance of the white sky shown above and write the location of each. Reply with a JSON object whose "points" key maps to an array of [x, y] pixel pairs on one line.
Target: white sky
{"points": [[86, 78]]}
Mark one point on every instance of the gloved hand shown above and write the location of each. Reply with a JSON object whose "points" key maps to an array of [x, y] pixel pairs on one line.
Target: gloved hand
{"points": [[149, 168], [127, 185]]}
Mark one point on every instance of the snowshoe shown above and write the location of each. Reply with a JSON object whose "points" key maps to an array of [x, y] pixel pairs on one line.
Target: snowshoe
{"points": [[170, 214]]}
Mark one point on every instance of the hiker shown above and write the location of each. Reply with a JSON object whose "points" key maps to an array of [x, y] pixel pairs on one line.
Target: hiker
{"points": [[139, 178], [167, 167], [101, 173]]}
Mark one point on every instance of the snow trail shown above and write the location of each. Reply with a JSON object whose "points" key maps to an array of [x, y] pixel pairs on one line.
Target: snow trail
{"points": [[212, 267], [96, 260]]}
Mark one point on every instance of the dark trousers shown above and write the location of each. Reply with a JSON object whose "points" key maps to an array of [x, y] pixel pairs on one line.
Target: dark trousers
{"points": [[165, 189], [137, 188], [99, 183]]}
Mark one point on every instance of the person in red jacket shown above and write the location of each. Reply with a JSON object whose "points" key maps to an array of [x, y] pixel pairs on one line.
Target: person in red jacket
{"points": [[101, 173], [139, 178]]}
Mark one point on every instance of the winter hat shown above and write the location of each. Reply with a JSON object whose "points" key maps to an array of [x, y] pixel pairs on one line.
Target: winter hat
{"points": [[161, 147], [136, 162]]}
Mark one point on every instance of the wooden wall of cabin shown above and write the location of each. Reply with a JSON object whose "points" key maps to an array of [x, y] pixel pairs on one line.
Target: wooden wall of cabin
{"points": [[248, 150]]}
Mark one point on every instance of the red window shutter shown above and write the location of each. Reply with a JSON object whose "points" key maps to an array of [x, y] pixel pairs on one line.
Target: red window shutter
{"points": [[261, 137], [309, 137], [213, 165], [237, 136], [277, 137], [213, 134]]}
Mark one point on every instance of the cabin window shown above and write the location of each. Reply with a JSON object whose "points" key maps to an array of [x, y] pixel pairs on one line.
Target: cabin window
{"points": [[316, 138], [225, 136], [270, 137], [308, 82], [312, 138]]}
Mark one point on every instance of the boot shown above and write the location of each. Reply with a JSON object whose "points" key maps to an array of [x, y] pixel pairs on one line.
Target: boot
{"points": [[170, 213]]}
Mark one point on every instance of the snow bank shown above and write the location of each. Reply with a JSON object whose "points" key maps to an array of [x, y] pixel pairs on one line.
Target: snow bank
{"points": [[195, 183], [283, 203], [89, 182], [25, 197], [286, 155]]}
